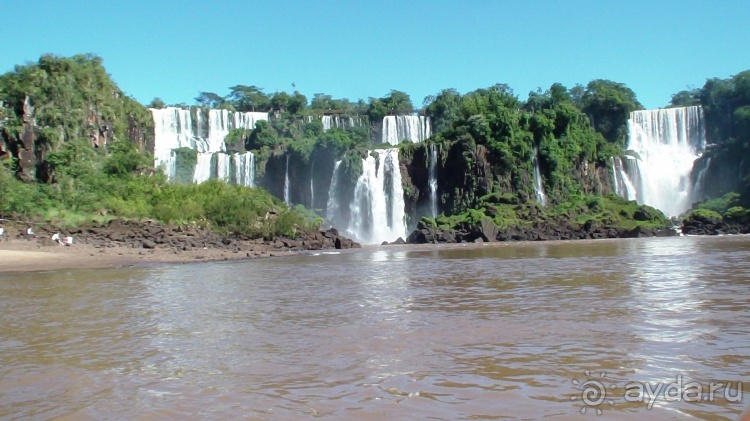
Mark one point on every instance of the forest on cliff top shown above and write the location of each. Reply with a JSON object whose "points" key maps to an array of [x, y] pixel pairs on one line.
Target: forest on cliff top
{"points": [[75, 147]]}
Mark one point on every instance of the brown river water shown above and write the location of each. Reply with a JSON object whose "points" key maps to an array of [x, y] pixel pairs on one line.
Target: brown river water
{"points": [[461, 332]]}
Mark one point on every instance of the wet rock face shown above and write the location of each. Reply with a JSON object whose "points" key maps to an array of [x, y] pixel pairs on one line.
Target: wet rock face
{"points": [[697, 224], [539, 231]]}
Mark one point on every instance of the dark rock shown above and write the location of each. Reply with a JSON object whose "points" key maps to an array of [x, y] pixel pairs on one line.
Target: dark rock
{"points": [[416, 237], [342, 243], [642, 215], [399, 240], [148, 244], [489, 230], [447, 237]]}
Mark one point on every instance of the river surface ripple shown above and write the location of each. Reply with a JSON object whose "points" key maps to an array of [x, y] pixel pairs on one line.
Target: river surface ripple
{"points": [[460, 332]]}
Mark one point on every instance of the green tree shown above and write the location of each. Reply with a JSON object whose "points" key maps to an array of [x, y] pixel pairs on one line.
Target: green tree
{"points": [[444, 109], [249, 98], [609, 104], [209, 100], [157, 103]]}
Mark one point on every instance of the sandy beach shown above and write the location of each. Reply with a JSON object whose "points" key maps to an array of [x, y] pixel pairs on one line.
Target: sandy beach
{"points": [[30, 256]]}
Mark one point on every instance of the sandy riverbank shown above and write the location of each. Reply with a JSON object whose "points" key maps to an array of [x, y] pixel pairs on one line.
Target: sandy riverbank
{"points": [[120, 243], [30, 256]]}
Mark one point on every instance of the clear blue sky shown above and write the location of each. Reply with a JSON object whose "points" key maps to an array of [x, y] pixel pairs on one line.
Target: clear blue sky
{"points": [[358, 49]]}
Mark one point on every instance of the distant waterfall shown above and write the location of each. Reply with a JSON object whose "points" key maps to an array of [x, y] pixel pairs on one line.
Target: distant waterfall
{"points": [[538, 185], [220, 122], [623, 186], [203, 169], [668, 141], [312, 186], [176, 128], [332, 207], [287, 199], [411, 127], [244, 169], [331, 121], [377, 209], [224, 167], [699, 187], [432, 180]]}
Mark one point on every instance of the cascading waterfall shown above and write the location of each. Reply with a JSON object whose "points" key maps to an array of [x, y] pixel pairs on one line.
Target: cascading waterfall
{"points": [[312, 186], [331, 121], [432, 180], [332, 207], [668, 141], [224, 167], [186, 128], [623, 186], [221, 122], [538, 185], [203, 168], [698, 188], [173, 129], [397, 128], [244, 169], [287, 199], [377, 209]]}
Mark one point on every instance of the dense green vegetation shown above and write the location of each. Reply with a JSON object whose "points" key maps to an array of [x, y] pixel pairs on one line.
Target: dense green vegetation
{"points": [[88, 150], [74, 103], [726, 104], [95, 186]]}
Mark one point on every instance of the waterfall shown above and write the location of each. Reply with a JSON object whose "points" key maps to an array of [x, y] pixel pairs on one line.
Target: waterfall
{"points": [[286, 183], [615, 177], [331, 121], [244, 169], [203, 167], [538, 185], [432, 180], [397, 128], [623, 186], [668, 141], [332, 207], [224, 167], [221, 122], [312, 186], [185, 128], [697, 193], [377, 209], [173, 129]]}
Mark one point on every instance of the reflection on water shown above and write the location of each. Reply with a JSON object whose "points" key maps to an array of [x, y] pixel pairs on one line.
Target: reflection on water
{"points": [[465, 331]]}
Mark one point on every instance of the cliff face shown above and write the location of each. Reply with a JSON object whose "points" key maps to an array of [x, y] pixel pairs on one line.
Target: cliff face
{"points": [[59, 100], [467, 171]]}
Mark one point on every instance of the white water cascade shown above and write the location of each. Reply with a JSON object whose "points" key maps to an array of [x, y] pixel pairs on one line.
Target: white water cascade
{"points": [[312, 186], [331, 121], [287, 199], [432, 180], [668, 141], [411, 127], [185, 128], [377, 209], [244, 169], [623, 186], [538, 185], [203, 168], [332, 207], [700, 181]]}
